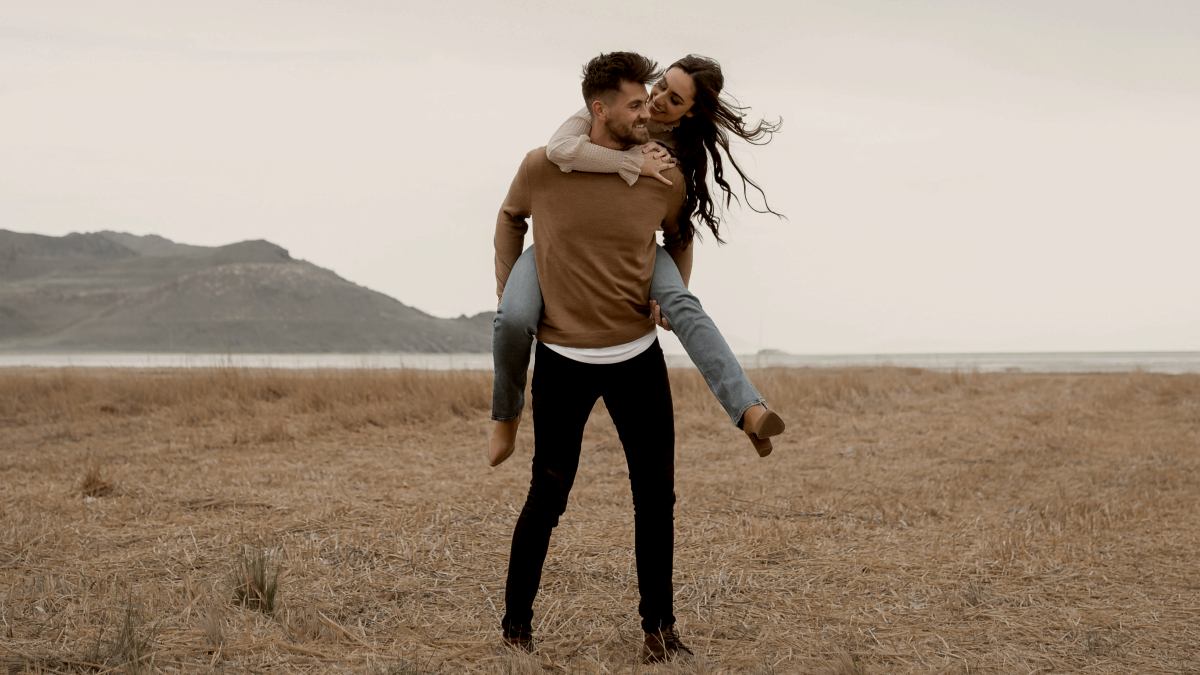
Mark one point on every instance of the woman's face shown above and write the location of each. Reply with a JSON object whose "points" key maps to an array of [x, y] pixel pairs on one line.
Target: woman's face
{"points": [[672, 97]]}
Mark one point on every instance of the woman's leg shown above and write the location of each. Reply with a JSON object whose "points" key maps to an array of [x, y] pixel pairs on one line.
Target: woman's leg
{"points": [[513, 331], [703, 342]]}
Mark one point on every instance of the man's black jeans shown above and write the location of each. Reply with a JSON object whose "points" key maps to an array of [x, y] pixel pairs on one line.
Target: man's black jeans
{"points": [[637, 394]]}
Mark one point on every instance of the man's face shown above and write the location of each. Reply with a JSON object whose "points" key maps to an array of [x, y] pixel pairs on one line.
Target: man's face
{"points": [[628, 113]]}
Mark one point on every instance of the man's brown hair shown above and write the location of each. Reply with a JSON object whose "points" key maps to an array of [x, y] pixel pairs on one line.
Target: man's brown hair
{"points": [[605, 73]]}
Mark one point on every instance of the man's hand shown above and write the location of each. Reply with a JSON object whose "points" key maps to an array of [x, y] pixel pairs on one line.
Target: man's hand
{"points": [[657, 316], [656, 159]]}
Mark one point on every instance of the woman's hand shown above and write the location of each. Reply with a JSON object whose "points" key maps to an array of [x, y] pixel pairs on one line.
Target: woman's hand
{"points": [[655, 160], [657, 316]]}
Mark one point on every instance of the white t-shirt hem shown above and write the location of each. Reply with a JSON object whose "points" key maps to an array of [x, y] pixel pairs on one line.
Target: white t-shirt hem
{"points": [[607, 355]]}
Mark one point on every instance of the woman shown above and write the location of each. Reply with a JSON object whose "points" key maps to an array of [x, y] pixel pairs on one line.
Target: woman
{"points": [[689, 124]]}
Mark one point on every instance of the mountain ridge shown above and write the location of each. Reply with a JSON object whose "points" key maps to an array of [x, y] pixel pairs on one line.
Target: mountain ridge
{"points": [[115, 291]]}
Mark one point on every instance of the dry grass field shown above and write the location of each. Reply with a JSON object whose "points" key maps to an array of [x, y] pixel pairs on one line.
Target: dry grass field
{"points": [[233, 520]]}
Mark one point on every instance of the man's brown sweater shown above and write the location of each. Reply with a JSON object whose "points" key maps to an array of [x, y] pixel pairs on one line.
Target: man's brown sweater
{"points": [[595, 248]]}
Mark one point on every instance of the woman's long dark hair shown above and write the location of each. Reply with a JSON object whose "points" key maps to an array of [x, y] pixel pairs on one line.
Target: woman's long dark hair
{"points": [[698, 137]]}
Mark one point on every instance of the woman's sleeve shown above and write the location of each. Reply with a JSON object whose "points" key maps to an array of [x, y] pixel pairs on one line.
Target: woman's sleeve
{"points": [[572, 150]]}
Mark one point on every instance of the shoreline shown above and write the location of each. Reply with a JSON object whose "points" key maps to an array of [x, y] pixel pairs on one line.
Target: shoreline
{"points": [[1174, 362]]}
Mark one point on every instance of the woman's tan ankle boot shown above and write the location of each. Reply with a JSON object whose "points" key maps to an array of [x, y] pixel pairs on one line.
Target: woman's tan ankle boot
{"points": [[760, 423]]}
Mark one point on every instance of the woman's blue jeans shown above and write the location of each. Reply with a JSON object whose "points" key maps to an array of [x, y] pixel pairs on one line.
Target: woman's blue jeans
{"points": [[516, 322]]}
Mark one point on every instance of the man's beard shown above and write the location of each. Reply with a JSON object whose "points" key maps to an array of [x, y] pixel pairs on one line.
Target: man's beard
{"points": [[626, 134]]}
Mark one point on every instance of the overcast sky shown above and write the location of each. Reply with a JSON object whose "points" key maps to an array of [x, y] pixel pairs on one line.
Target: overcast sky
{"points": [[956, 176]]}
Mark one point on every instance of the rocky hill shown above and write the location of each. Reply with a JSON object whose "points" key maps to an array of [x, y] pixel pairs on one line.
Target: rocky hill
{"points": [[112, 291]]}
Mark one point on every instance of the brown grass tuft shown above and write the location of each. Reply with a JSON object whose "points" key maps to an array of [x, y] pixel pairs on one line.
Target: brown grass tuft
{"points": [[256, 580], [131, 648], [212, 623], [95, 484]]}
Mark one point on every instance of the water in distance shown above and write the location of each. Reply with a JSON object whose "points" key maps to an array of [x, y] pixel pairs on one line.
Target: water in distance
{"points": [[1049, 362]]}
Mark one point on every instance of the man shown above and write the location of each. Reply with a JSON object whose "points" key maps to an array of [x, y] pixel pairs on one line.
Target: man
{"points": [[595, 257]]}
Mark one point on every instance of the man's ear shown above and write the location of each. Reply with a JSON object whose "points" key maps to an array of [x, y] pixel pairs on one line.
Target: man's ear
{"points": [[598, 109]]}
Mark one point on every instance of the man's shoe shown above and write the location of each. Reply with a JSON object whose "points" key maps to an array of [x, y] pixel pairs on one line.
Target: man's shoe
{"points": [[760, 423], [522, 642], [663, 645], [504, 440]]}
